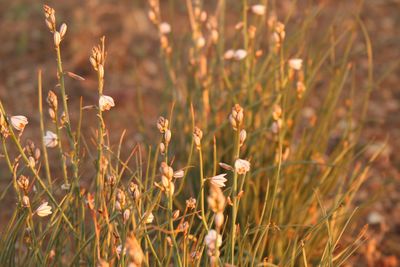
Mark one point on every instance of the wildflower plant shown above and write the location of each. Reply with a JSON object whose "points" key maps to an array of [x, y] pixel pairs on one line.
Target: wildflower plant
{"points": [[256, 183]]}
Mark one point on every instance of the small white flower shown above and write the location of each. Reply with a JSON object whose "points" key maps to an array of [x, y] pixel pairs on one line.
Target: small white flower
{"points": [[229, 54], [258, 9], [50, 139], [19, 122], [242, 166], [240, 54], [165, 28], [218, 180], [213, 239], [106, 102], [43, 210], [296, 63], [150, 218]]}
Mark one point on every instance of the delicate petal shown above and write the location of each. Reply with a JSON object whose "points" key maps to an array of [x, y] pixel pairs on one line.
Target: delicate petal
{"points": [[258, 9], [218, 180], [44, 210], [50, 139], [19, 122]]}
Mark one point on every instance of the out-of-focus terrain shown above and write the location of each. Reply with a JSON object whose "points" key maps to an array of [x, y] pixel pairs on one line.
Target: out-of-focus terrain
{"points": [[134, 78]]}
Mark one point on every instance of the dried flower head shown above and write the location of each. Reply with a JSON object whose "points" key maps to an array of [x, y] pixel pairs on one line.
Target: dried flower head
{"points": [[50, 139], [52, 100], [236, 116], [23, 182], [43, 210], [50, 20], [19, 122], [191, 203], [106, 102], [242, 166]]}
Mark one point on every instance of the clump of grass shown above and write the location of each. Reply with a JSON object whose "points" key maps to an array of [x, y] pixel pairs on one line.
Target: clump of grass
{"points": [[253, 180]]}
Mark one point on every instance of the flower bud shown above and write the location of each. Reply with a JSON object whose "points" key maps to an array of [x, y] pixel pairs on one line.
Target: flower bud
{"points": [[63, 30], [25, 201], [57, 38], [219, 219], [242, 137], [167, 136]]}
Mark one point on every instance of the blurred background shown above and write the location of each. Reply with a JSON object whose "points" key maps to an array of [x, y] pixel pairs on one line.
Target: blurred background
{"points": [[135, 78]]}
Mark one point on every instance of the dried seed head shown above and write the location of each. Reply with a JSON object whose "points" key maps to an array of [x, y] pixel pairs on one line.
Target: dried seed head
{"points": [[197, 136], [52, 100], [23, 182], [191, 203], [162, 124], [236, 116], [50, 17]]}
